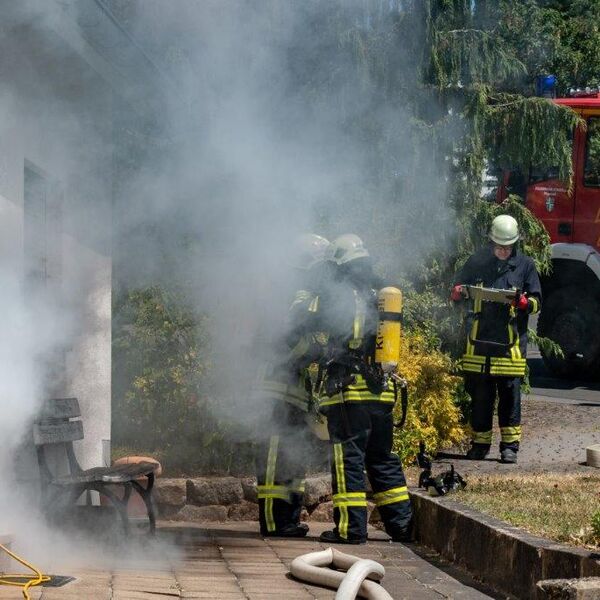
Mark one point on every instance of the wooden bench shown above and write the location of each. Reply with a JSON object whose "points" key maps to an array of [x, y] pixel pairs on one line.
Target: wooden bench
{"points": [[58, 425]]}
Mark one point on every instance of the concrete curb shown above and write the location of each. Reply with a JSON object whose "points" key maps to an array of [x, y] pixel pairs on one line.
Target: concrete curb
{"points": [[569, 589], [505, 557]]}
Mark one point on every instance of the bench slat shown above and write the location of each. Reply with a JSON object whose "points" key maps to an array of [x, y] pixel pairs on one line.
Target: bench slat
{"points": [[57, 433], [60, 408], [116, 474]]}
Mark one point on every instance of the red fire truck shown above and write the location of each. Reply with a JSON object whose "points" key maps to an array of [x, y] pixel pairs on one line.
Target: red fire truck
{"points": [[571, 309]]}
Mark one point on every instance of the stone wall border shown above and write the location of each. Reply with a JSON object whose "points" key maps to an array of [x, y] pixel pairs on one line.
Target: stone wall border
{"points": [[504, 557]]}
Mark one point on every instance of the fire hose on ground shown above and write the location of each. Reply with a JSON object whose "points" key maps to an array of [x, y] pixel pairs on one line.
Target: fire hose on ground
{"points": [[22, 580], [362, 577]]}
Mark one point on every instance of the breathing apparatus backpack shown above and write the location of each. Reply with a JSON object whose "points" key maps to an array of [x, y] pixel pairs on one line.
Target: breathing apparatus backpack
{"points": [[374, 350], [389, 329]]}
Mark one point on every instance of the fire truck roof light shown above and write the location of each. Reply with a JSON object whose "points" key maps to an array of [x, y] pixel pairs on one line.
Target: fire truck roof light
{"points": [[545, 86], [583, 92]]}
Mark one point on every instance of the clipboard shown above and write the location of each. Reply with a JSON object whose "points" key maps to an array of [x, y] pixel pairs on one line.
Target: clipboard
{"points": [[474, 292]]}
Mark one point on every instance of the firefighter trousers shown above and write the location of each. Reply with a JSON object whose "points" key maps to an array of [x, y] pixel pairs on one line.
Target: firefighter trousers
{"points": [[361, 435], [483, 390], [280, 470]]}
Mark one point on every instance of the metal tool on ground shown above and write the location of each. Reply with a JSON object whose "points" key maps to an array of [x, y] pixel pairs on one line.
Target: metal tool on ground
{"points": [[362, 577], [442, 484], [424, 462]]}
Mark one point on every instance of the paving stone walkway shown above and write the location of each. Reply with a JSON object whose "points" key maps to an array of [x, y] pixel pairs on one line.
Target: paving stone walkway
{"points": [[232, 562]]}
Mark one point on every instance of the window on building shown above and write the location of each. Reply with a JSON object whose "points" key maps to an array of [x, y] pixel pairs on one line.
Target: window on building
{"points": [[35, 207]]}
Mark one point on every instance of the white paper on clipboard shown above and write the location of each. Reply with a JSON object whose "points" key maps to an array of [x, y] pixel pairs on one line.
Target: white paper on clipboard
{"points": [[475, 292]]}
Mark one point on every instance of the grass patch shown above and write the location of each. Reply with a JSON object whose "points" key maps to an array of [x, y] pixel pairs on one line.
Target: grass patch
{"points": [[565, 508]]}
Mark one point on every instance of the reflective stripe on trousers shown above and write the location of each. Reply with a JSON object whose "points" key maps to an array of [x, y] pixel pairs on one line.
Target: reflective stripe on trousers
{"points": [[511, 434], [482, 437], [342, 500], [269, 481], [391, 496]]}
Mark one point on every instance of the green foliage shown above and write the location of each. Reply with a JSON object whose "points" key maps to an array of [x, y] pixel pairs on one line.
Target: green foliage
{"points": [[436, 94], [546, 345], [516, 129], [163, 392], [554, 37], [433, 415], [468, 56], [595, 523]]}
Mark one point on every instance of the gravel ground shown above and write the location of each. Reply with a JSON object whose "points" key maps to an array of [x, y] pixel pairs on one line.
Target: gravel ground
{"points": [[555, 436]]}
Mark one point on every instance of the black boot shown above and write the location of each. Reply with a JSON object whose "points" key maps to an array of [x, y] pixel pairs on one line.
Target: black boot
{"points": [[298, 530], [332, 537], [402, 535], [508, 455], [477, 451]]}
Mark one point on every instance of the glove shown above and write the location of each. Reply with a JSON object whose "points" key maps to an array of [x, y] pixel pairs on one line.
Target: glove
{"points": [[456, 295], [521, 303]]}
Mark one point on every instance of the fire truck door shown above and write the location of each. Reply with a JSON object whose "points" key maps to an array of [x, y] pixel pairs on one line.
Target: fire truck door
{"points": [[550, 200], [586, 224]]}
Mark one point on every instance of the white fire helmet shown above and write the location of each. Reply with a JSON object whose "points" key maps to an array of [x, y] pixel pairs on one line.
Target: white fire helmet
{"points": [[310, 250], [347, 247], [504, 230]]}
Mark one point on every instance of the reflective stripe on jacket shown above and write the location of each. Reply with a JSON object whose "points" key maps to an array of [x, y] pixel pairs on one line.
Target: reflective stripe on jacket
{"points": [[497, 333], [294, 393], [359, 392]]}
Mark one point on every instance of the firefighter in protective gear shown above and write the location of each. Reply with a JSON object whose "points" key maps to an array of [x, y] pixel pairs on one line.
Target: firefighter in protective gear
{"points": [[359, 403], [285, 384], [494, 360]]}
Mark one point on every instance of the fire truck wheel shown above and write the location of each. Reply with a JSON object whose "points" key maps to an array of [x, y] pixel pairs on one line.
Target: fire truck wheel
{"points": [[573, 321]]}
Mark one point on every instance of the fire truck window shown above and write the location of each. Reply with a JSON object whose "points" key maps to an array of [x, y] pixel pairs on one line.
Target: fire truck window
{"points": [[591, 172], [539, 173], [516, 183]]}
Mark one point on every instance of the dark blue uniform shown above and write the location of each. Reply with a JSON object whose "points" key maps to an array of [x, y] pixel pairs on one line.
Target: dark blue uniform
{"points": [[285, 384], [359, 417], [494, 361]]}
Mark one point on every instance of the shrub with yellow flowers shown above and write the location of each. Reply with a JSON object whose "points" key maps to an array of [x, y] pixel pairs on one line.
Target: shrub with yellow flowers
{"points": [[433, 416]]}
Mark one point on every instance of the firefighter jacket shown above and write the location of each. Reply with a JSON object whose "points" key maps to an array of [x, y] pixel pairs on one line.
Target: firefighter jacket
{"points": [[497, 333], [289, 375], [352, 320]]}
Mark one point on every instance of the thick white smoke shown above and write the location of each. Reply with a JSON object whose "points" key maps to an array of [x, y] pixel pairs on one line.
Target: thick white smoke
{"points": [[255, 153], [245, 153], [56, 188]]}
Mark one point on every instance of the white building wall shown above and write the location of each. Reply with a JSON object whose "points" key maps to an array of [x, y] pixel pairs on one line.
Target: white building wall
{"points": [[64, 132]]}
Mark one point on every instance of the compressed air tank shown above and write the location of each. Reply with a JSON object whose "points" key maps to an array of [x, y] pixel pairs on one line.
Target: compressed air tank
{"points": [[389, 328]]}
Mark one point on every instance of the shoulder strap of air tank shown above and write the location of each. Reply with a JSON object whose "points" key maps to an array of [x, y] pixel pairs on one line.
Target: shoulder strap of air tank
{"points": [[403, 401]]}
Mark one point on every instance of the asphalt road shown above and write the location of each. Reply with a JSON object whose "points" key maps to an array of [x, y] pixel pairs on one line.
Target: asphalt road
{"points": [[547, 387]]}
